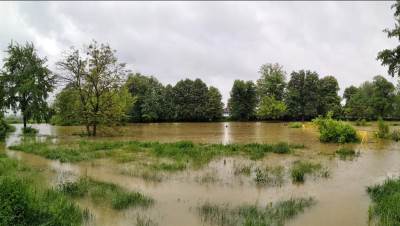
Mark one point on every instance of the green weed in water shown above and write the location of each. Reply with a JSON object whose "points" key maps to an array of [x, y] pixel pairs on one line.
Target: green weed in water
{"points": [[300, 169]]}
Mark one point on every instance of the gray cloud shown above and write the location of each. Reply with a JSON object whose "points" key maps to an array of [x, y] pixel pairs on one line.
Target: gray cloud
{"points": [[215, 41]]}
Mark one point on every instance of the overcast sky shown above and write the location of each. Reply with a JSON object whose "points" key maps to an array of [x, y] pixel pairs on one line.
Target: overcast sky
{"points": [[215, 41]]}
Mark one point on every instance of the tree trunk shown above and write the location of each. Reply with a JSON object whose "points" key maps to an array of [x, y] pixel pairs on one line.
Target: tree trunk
{"points": [[24, 119], [88, 130], [94, 130]]}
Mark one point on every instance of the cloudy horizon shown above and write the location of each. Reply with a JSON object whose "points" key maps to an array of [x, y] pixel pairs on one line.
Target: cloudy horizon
{"points": [[217, 42]]}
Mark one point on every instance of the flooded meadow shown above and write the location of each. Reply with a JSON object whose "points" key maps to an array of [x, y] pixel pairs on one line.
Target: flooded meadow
{"points": [[228, 183]]}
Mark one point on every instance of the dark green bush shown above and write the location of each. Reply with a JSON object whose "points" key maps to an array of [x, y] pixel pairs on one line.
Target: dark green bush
{"points": [[335, 131], [29, 131], [5, 128], [395, 135]]}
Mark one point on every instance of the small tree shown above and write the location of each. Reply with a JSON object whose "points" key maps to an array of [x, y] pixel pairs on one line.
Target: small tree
{"points": [[97, 77], [27, 81]]}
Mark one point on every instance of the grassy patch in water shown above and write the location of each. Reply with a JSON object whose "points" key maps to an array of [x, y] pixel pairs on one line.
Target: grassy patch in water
{"points": [[124, 151], [273, 176], [110, 193], [300, 169], [385, 202], [346, 153], [295, 125], [254, 215]]}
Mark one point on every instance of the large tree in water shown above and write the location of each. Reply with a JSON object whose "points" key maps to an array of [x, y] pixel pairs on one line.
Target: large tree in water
{"points": [[97, 76], [26, 82]]}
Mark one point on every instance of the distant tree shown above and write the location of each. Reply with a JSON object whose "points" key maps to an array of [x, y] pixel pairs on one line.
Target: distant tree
{"points": [[329, 100], [302, 95], [359, 103], [269, 108], [272, 82], [383, 96], [391, 57], [26, 82], [215, 107], [149, 97], [190, 100], [67, 108], [243, 100], [169, 110], [349, 92], [98, 78]]}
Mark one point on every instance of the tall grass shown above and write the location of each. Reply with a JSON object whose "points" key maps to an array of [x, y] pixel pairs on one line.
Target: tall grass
{"points": [[385, 202], [300, 169], [22, 202], [253, 215], [109, 193], [295, 125]]}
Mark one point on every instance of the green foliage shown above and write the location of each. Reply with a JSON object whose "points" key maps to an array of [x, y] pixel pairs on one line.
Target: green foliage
{"points": [[329, 99], [112, 194], [390, 57], [5, 128], [243, 100], [272, 82], [26, 81], [383, 129], [273, 176], [254, 215], [96, 76], [334, 131], [302, 95], [67, 108], [269, 108], [385, 202], [361, 122], [370, 100], [302, 168], [295, 125], [215, 107]]}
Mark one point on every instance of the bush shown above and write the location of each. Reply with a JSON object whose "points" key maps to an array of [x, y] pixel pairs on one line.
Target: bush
{"points": [[361, 122], [383, 129], [335, 131]]}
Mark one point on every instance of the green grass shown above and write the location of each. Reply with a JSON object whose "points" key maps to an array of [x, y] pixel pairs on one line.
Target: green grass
{"points": [[242, 169], [295, 125], [109, 193], [253, 215], [395, 135], [125, 151], [300, 169], [24, 202], [385, 203]]}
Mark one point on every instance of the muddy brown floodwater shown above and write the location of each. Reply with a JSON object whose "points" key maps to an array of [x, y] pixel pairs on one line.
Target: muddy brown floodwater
{"points": [[341, 198]]}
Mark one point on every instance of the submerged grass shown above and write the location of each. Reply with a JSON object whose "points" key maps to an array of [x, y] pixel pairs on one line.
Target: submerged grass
{"points": [[124, 151], [253, 215], [386, 203], [300, 169], [110, 193], [295, 125], [273, 176], [346, 153]]}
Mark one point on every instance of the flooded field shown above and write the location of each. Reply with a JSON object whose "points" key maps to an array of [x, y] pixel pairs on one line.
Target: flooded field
{"points": [[340, 193]]}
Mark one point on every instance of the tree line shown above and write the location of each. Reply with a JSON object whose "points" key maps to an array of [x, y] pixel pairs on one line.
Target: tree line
{"points": [[99, 89]]}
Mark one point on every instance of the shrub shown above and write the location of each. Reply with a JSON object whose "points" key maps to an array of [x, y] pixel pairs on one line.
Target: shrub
{"points": [[383, 129], [335, 131], [295, 125], [301, 168]]}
